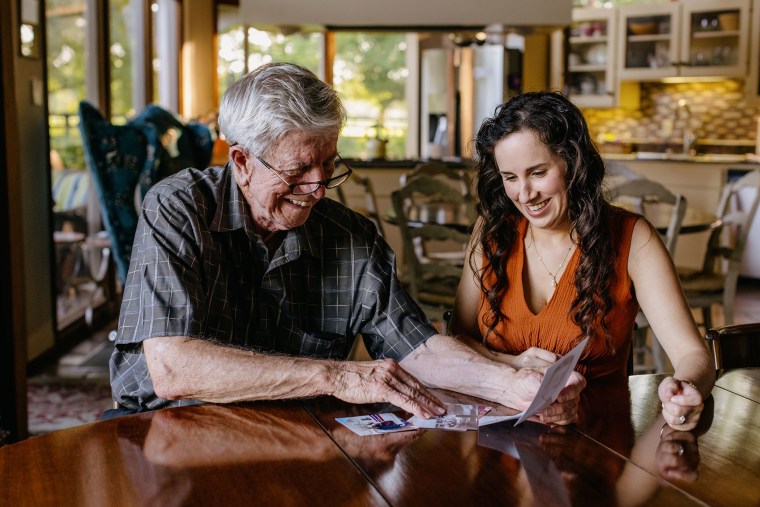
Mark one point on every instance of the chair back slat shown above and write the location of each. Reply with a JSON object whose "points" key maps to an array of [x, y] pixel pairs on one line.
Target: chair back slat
{"points": [[430, 278], [644, 191]]}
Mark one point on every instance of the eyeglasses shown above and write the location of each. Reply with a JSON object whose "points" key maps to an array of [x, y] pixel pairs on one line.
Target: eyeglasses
{"points": [[308, 187]]}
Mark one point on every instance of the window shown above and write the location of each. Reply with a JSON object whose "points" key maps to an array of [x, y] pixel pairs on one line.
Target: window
{"points": [[66, 33], [370, 71], [120, 49], [242, 49]]}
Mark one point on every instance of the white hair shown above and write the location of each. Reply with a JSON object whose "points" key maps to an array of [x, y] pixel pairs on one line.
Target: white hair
{"points": [[266, 104]]}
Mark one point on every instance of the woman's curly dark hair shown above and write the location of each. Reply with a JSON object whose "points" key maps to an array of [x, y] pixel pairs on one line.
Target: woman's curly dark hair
{"points": [[561, 127]]}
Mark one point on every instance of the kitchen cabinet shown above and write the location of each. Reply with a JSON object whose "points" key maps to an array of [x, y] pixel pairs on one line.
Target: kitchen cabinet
{"points": [[591, 62], [698, 38]]}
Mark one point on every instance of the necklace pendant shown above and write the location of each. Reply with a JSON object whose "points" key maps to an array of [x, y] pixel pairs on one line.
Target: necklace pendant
{"points": [[554, 283]]}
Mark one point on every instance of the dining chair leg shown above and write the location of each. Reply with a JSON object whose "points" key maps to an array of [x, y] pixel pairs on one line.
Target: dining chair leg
{"points": [[707, 317], [728, 309]]}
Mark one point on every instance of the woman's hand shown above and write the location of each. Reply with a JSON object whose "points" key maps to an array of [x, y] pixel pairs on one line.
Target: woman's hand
{"points": [[682, 404], [565, 409], [677, 455], [534, 357]]}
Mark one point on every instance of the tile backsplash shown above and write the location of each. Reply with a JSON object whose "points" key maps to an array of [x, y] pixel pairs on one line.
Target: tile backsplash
{"points": [[718, 112]]}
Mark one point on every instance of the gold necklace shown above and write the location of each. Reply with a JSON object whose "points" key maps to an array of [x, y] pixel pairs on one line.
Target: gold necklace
{"points": [[559, 268]]}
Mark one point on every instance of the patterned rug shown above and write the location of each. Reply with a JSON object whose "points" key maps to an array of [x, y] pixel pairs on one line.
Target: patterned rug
{"points": [[56, 403]]}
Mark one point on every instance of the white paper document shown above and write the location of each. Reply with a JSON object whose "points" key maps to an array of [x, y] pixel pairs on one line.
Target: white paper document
{"points": [[458, 417], [554, 380]]}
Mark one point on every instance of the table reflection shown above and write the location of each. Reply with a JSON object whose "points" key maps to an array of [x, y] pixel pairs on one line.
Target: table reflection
{"points": [[188, 455], [563, 464]]}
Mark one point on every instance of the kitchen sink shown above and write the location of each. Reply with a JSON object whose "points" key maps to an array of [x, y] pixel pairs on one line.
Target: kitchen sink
{"points": [[708, 157]]}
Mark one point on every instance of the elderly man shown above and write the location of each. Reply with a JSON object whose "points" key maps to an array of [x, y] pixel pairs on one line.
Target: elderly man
{"points": [[246, 284]]}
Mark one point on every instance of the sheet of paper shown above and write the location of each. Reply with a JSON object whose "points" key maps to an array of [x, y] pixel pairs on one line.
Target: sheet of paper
{"points": [[458, 417], [554, 380], [375, 424]]}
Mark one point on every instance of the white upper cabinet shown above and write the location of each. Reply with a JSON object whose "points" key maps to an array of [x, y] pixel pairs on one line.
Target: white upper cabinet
{"points": [[695, 38], [591, 58]]}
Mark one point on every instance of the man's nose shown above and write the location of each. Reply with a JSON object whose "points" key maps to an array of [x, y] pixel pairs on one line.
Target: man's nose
{"points": [[316, 173]]}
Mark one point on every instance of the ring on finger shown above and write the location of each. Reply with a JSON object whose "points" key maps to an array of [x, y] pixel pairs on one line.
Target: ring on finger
{"points": [[682, 419], [680, 449]]}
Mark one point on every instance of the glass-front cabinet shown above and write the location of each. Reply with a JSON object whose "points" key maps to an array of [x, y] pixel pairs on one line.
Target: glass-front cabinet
{"points": [[590, 60], [648, 46], [715, 37], [698, 38]]}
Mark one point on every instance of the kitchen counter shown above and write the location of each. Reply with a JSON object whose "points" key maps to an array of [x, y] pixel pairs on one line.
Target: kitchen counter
{"points": [[706, 158], [409, 164]]}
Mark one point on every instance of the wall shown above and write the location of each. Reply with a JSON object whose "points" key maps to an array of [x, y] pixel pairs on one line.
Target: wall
{"points": [[719, 112]]}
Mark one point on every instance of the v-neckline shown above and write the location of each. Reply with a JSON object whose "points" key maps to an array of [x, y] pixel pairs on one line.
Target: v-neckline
{"points": [[522, 259]]}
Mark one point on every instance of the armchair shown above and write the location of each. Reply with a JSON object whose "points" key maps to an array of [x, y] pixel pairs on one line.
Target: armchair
{"points": [[124, 161], [117, 159]]}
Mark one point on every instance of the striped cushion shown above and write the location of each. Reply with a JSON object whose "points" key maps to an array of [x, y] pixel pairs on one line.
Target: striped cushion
{"points": [[70, 189]]}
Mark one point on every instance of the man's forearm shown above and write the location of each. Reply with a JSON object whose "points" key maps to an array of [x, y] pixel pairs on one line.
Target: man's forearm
{"points": [[185, 368]]}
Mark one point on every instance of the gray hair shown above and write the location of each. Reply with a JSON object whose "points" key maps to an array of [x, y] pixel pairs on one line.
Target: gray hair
{"points": [[260, 108]]}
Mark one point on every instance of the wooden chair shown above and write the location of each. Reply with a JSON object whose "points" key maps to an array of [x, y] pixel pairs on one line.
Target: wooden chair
{"points": [[430, 279], [439, 169], [371, 209], [716, 282], [736, 346], [639, 192]]}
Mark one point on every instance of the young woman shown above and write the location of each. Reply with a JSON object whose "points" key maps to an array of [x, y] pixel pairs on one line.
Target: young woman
{"points": [[552, 262]]}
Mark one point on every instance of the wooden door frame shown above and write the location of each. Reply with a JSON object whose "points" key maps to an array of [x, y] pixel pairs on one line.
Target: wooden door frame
{"points": [[13, 410]]}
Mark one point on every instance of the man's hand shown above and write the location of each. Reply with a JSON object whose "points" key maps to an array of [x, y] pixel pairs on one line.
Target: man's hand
{"points": [[383, 381]]}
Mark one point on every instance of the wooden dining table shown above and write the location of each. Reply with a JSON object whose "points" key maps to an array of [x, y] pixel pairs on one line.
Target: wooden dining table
{"points": [[296, 453]]}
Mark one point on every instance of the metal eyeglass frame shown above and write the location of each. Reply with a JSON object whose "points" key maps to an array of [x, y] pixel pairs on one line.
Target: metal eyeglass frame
{"points": [[328, 183]]}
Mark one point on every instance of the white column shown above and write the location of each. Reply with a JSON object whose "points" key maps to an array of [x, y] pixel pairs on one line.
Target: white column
{"points": [[167, 40]]}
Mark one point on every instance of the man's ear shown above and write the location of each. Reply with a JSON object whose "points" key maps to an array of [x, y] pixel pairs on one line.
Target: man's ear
{"points": [[239, 164]]}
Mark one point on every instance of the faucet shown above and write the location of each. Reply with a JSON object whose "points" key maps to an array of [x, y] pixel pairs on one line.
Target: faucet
{"points": [[689, 137]]}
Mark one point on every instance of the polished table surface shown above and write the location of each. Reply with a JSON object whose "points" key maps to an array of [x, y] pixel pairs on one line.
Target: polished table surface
{"points": [[295, 453]]}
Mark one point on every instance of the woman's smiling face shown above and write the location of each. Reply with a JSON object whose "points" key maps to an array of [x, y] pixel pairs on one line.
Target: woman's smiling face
{"points": [[534, 179]]}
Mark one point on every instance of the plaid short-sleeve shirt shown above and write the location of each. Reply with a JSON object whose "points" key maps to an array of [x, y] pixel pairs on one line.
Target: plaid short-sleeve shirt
{"points": [[198, 269]]}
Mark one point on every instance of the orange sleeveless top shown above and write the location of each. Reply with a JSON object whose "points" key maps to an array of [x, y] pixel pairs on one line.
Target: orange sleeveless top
{"points": [[552, 328]]}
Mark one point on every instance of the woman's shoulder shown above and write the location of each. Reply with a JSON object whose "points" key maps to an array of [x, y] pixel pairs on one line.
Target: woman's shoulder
{"points": [[621, 215]]}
